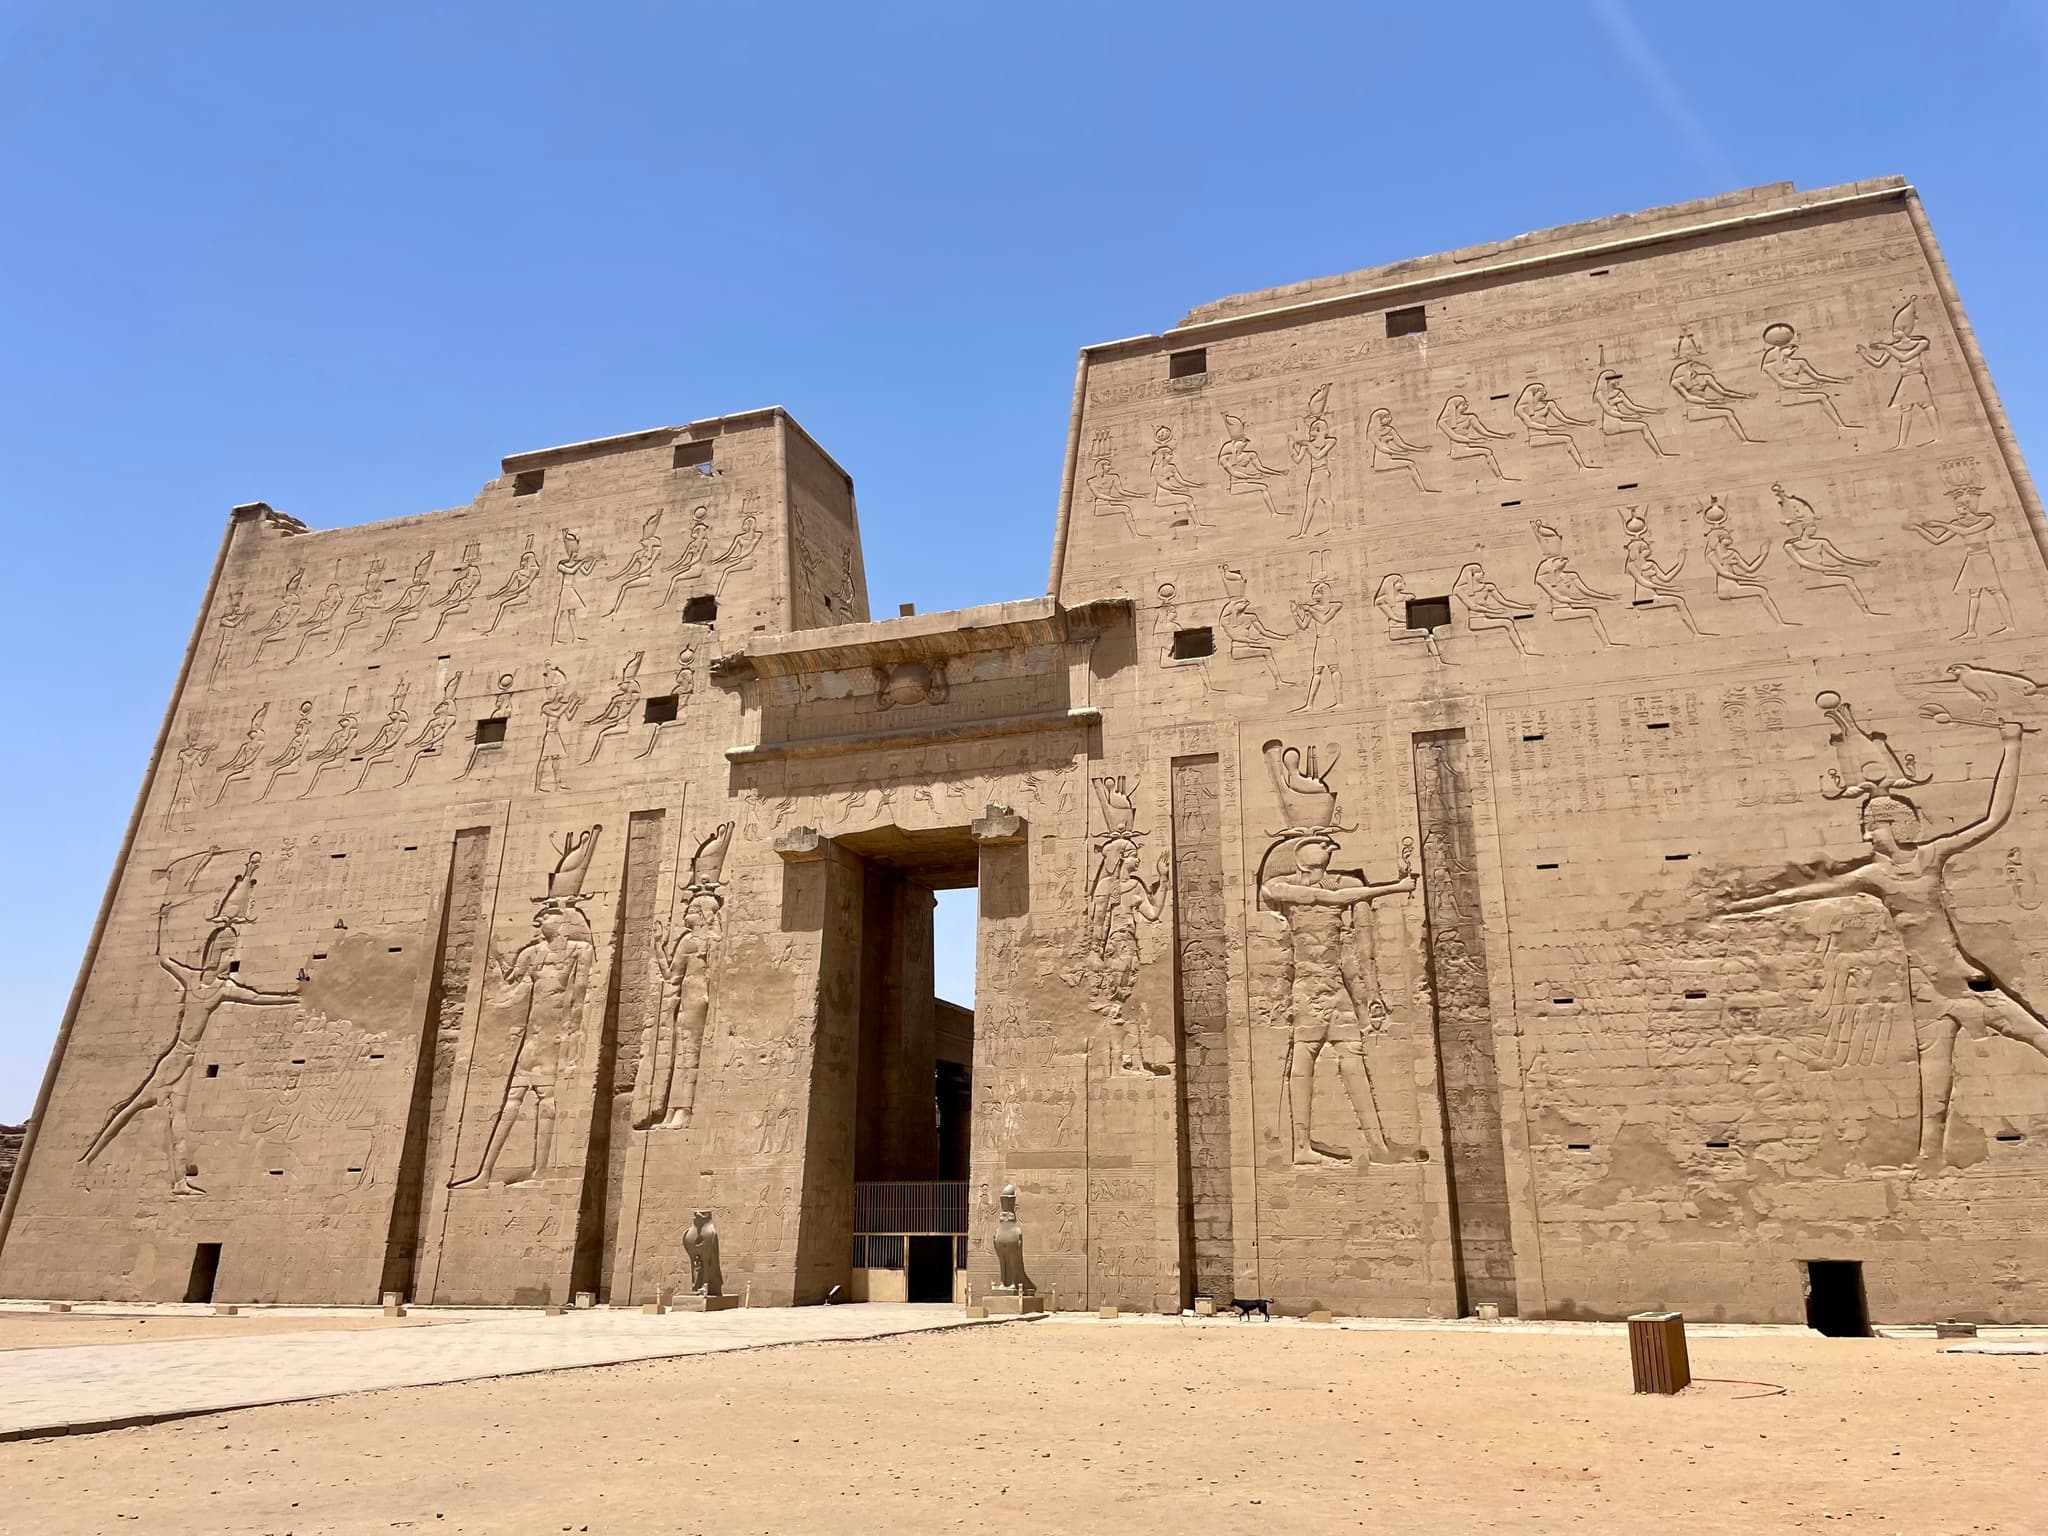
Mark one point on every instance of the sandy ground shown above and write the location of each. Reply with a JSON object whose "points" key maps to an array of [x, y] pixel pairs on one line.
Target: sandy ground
{"points": [[54, 1330], [1062, 1427]]}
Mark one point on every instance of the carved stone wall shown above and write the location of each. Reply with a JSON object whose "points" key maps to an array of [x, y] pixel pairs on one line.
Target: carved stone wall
{"points": [[1611, 659]]}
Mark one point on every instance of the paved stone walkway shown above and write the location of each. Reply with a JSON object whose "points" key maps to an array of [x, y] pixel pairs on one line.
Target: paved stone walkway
{"points": [[82, 1388]]}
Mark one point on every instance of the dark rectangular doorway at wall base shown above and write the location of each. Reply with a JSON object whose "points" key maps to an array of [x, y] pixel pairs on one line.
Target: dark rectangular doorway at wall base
{"points": [[1834, 1299], [929, 1265], [205, 1270]]}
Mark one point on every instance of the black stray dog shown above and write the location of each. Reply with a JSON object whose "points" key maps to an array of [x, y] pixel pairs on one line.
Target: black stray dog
{"points": [[1247, 1305]]}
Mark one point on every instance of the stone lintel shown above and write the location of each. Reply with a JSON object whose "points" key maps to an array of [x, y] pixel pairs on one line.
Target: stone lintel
{"points": [[913, 736]]}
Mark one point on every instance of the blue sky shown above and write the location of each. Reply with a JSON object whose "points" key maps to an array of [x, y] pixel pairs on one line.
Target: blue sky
{"points": [[342, 259]]}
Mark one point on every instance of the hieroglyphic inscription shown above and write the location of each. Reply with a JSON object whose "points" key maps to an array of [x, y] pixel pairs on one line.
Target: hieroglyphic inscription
{"points": [[1201, 1004], [1476, 1164]]}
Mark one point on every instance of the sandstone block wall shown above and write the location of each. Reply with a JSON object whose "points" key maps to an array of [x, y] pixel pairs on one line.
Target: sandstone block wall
{"points": [[1526, 789]]}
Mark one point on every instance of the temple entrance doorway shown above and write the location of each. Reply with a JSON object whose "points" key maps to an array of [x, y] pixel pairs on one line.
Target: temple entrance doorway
{"points": [[912, 1084]]}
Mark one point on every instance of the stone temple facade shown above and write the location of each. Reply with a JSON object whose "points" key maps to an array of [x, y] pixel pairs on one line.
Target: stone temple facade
{"points": [[1526, 787]]}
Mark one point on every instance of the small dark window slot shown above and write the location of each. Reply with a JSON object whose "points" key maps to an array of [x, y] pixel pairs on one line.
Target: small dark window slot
{"points": [[1676, 858], [701, 610], [528, 481], [828, 602], [1983, 984], [1190, 364], [1660, 725], [411, 848], [1511, 504], [376, 1055], [337, 855], [321, 956], [444, 658], [298, 1061], [234, 966], [1190, 643], [1629, 487], [394, 950], [355, 1170], [1600, 272], [1538, 736], [1429, 612], [277, 1173], [491, 731], [1407, 322], [694, 455], [1564, 1002], [1718, 1146], [2009, 1136], [373, 666], [1496, 397], [1546, 866], [1578, 1146], [1695, 996], [659, 710], [213, 1069]]}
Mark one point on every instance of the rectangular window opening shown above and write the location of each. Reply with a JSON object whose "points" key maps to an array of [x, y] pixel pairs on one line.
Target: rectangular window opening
{"points": [[1429, 612], [213, 1069], [701, 610], [1629, 487], [1676, 858], [1537, 736], [1190, 643], [1600, 272], [1511, 504], [1695, 996], [1660, 725], [694, 455], [337, 855], [1496, 397], [1983, 984], [1546, 866], [1579, 1146], [1407, 322], [234, 966], [1718, 1146], [491, 731], [1191, 364], [1564, 1002], [394, 950], [659, 710], [2010, 1136], [528, 482]]}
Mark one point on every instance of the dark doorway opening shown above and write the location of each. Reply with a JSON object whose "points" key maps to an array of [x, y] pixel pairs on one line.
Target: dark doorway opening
{"points": [[930, 1269], [205, 1270], [1834, 1299]]}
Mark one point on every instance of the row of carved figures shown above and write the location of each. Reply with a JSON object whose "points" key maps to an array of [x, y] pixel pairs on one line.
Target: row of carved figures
{"points": [[327, 624], [299, 762], [1543, 420], [1738, 576]]}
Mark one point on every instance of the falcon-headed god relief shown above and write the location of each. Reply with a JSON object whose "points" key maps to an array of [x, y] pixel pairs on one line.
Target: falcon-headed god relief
{"points": [[550, 977], [1333, 1000]]}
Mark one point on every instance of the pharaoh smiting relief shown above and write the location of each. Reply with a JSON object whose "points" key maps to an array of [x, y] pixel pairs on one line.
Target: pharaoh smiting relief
{"points": [[204, 987], [1950, 988]]}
